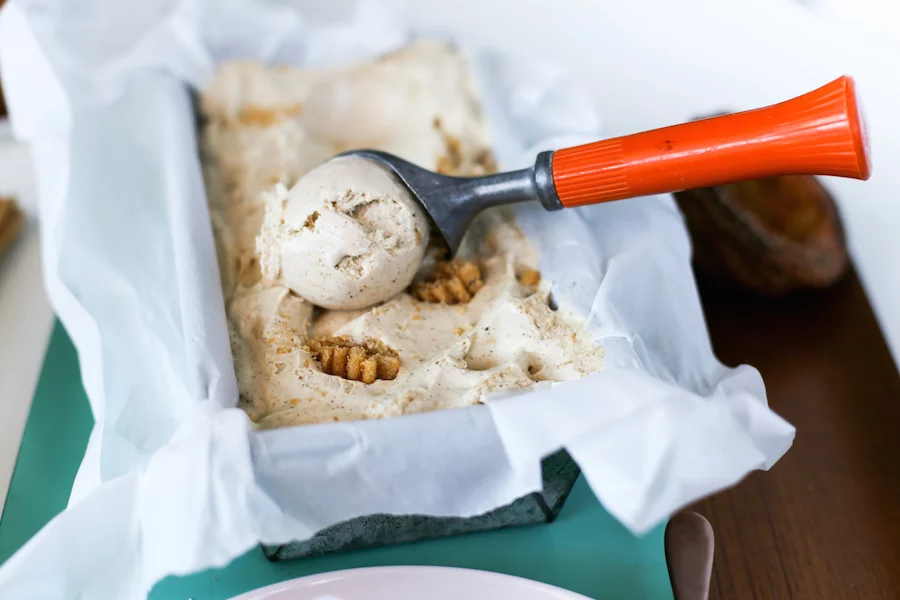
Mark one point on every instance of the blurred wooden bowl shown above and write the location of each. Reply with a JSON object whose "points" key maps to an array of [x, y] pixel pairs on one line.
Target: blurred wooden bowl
{"points": [[12, 221], [770, 236], [2, 102]]}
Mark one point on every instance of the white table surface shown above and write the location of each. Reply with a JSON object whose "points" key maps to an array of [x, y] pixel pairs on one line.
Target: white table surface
{"points": [[647, 63]]}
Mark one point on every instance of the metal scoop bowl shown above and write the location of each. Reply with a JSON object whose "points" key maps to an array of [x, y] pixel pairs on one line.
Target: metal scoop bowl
{"points": [[819, 133]]}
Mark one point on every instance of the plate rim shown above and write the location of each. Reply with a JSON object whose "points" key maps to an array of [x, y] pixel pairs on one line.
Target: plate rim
{"points": [[313, 579]]}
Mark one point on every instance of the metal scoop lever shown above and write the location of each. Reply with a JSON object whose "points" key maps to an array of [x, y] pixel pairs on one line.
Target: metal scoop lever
{"points": [[819, 133], [453, 202]]}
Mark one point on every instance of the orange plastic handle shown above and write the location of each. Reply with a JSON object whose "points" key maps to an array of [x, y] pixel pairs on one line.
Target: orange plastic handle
{"points": [[819, 133]]}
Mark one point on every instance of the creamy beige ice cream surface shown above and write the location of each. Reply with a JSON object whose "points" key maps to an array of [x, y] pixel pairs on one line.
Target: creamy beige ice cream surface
{"points": [[268, 126]]}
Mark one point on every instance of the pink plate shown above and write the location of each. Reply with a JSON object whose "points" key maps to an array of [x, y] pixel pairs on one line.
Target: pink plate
{"points": [[410, 583]]}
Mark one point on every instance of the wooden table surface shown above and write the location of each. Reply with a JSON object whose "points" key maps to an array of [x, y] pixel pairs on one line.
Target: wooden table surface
{"points": [[2, 103], [825, 521]]}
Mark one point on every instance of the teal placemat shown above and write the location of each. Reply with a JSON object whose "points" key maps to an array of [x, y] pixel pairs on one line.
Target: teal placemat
{"points": [[56, 435], [585, 550]]}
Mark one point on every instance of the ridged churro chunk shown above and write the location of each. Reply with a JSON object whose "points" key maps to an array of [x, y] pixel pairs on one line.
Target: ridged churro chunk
{"points": [[453, 282], [366, 362]]}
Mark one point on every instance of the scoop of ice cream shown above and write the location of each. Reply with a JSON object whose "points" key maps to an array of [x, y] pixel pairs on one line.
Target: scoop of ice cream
{"points": [[348, 235]]}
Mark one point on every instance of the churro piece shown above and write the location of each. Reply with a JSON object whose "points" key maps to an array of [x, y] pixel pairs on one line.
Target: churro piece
{"points": [[267, 117], [530, 277], [11, 222], [366, 361], [485, 163], [453, 282], [453, 161]]}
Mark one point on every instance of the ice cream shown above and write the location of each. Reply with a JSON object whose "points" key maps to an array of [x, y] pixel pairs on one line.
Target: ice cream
{"points": [[459, 335], [348, 235]]}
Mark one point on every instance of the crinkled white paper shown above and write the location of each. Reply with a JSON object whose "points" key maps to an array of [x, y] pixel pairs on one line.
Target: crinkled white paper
{"points": [[174, 480]]}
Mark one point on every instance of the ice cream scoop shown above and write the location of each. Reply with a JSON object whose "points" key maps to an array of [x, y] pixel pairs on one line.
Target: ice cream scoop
{"points": [[348, 235], [819, 133]]}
